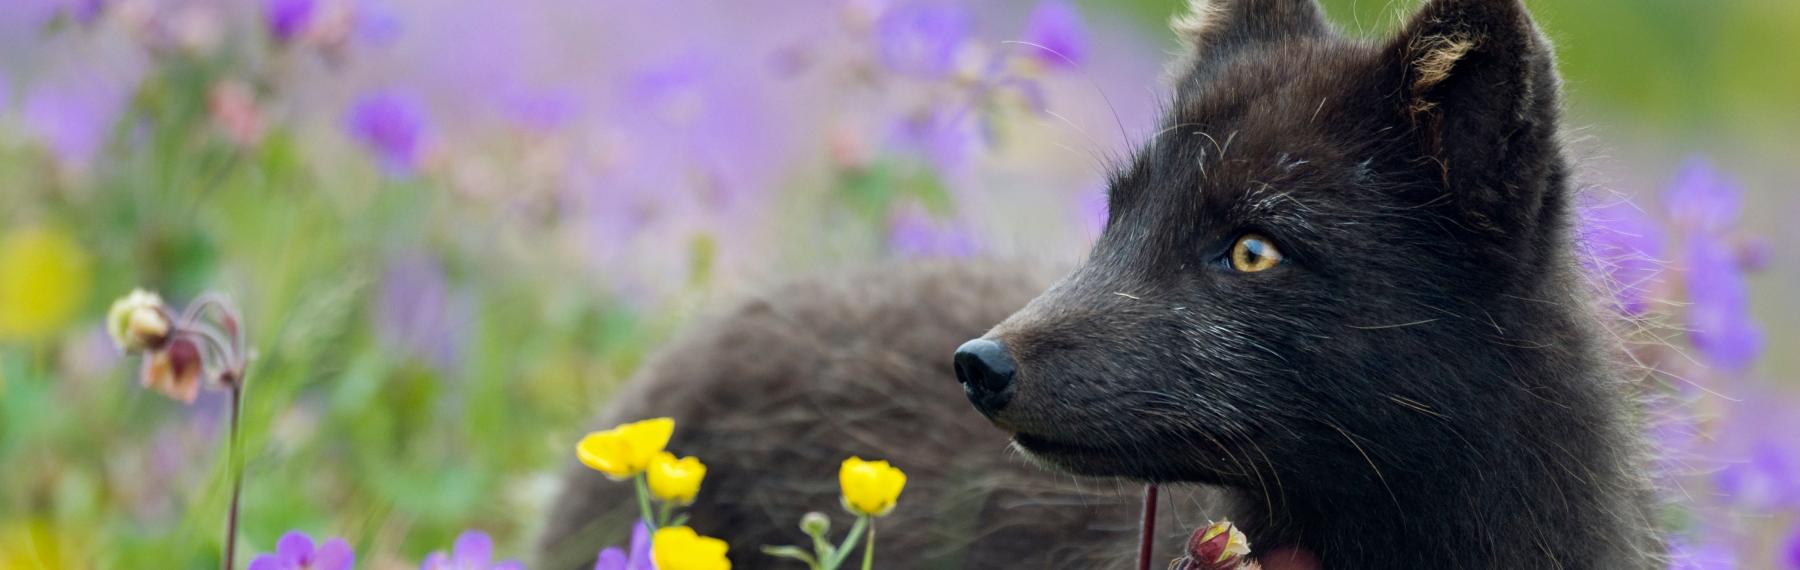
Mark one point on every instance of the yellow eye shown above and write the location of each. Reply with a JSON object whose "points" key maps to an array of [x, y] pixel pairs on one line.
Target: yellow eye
{"points": [[1253, 253]]}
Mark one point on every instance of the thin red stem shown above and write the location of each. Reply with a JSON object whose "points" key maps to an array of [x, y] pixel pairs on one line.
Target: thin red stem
{"points": [[1147, 531], [237, 479]]}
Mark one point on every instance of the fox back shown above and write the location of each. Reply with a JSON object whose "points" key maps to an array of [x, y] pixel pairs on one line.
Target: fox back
{"points": [[1338, 287]]}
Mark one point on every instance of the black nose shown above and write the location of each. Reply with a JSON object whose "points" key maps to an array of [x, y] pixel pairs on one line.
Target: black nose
{"points": [[986, 373]]}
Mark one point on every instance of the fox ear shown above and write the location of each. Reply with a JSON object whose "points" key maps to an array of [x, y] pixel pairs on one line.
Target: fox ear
{"points": [[1213, 29], [1479, 87]]}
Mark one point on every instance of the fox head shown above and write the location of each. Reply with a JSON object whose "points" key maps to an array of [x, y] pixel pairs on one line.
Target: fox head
{"points": [[1341, 267]]}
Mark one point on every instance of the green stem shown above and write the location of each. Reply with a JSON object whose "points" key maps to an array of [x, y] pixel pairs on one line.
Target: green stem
{"points": [[662, 514], [869, 549], [643, 497], [849, 544]]}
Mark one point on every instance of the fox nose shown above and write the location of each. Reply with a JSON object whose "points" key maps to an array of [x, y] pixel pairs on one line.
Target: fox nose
{"points": [[986, 373]]}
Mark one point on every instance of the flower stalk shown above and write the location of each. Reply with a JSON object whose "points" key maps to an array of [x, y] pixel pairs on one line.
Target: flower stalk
{"points": [[1147, 530], [203, 347]]}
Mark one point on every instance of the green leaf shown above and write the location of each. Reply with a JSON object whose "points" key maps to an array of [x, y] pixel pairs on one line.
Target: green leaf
{"points": [[792, 552]]}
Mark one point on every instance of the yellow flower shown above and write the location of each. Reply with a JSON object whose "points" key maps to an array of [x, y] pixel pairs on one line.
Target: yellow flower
{"points": [[870, 487], [625, 451], [680, 548], [675, 480], [43, 282], [38, 545]]}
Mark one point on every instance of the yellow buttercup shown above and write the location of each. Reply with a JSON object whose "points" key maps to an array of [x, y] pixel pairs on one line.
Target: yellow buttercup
{"points": [[675, 480], [625, 451], [680, 548], [870, 487], [44, 277]]}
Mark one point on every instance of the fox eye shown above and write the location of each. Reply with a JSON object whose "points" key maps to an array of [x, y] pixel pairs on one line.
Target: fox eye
{"points": [[1254, 253]]}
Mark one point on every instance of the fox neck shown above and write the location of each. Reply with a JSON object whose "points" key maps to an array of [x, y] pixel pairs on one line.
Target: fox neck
{"points": [[1521, 493]]}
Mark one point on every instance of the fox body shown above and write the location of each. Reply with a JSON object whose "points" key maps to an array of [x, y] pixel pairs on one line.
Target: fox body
{"points": [[1337, 294]]}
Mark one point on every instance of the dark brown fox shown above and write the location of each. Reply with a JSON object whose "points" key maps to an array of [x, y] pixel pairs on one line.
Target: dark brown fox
{"points": [[1337, 294]]}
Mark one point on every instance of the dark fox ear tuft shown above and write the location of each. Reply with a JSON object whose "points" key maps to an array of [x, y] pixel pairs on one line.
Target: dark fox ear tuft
{"points": [[1479, 87], [1212, 29]]}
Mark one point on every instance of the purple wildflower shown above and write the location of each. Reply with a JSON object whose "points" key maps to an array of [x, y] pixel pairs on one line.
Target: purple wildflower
{"points": [[942, 137], [913, 233], [1703, 200], [416, 312], [1707, 556], [295, 551], [75, 115], [289, 19], [693, 118], [1791, 550], [377, 23], [393, 127], [1718, 317], [84, 11], [1770, 477], [638, 559], [474, 550], [1757, 438], [1624, 248], [922, 38], [1059, 37]]}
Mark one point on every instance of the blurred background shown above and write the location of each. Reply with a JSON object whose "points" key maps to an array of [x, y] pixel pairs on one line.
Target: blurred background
{"points": [[455, 226]]}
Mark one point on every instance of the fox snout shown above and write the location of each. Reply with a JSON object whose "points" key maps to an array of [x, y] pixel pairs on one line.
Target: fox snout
{"points": [[986, 372]]}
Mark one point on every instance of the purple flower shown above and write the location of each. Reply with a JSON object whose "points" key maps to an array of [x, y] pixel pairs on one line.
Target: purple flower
{"points": [[942, 137], [84, 11], [295, 552], [74, 115], [1702, 199], [392, 126], [1791, 550], [1718, 315], [1707, 556], [1624, 249], [473, 550], [288, 19], [416, 312], [1059, 37], [913, 233], [377, 23], [639, 559], [1770, 477], [921, 38]]}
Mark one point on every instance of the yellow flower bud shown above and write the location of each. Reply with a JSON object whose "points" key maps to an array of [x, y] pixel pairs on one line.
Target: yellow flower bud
{"points": [[680, 548], [44, 278], [675, 480], [625, 451], [870, 487], [138, 321]]}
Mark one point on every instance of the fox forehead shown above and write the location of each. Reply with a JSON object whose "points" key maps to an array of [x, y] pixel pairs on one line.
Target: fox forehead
{"points": [[1246, 135]]}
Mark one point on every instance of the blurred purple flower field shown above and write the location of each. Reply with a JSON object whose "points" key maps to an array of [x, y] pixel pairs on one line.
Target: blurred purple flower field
{"points": [[456, 226]]}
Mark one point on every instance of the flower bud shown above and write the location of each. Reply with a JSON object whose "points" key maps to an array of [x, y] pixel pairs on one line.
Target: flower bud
{"points": [[815, 524], [1218, 546], [138, 321]]}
